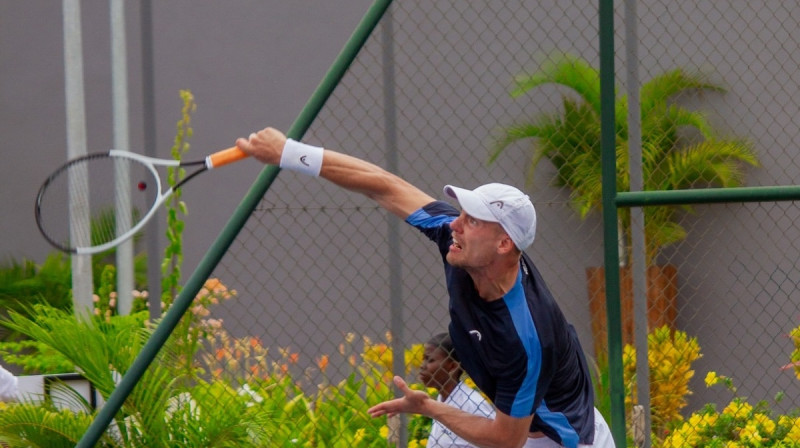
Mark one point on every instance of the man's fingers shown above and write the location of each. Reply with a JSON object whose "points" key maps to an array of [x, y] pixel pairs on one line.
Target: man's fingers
{"points": [[382, 409], [392, 407], [381, 413], [243, 144], [375, 411]]}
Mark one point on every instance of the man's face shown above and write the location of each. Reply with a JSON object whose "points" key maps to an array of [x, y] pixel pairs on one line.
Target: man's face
{"points": [[437, 367], [475, 242]]}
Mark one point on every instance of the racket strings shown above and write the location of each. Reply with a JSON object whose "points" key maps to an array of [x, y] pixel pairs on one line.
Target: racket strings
{"points": [[95, 200]]}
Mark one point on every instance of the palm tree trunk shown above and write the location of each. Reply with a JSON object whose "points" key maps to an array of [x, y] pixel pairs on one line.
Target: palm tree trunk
{"points": [[662, 308]]}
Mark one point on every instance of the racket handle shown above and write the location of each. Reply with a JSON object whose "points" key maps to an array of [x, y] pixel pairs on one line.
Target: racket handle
{"points": [[225, 157]]}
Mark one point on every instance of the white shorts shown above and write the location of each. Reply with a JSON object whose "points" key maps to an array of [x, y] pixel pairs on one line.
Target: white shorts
{"points": [[602, 436]]}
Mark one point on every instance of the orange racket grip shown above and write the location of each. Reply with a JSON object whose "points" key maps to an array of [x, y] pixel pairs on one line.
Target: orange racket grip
{"points": [[225, 157]]}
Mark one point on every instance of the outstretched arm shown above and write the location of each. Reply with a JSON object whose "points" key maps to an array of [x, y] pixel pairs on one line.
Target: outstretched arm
{"points": [[388, 190], [504, 431]]}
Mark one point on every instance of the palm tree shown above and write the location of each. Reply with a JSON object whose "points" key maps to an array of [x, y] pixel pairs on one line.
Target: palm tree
{"points": [[680, 150]]}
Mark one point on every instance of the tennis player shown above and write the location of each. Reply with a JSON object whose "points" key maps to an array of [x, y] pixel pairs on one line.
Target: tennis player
{"points": [[508, 332]]}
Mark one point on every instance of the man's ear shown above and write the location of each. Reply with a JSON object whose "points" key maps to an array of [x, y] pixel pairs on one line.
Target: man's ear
{"points": [[506, 245]]}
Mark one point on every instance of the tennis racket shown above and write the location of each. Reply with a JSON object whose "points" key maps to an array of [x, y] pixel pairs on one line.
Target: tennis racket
{"points": [[95, 202]]}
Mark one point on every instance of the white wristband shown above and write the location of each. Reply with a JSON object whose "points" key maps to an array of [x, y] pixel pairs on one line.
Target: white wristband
{"points": [[302, 158]]}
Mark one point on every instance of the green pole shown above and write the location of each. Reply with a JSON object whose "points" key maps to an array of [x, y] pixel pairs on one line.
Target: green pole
{"points": [[708, 195], [232, 228], [610, 236]]}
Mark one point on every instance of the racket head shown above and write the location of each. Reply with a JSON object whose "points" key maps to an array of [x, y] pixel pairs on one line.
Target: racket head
{"points": [[94, 202]]}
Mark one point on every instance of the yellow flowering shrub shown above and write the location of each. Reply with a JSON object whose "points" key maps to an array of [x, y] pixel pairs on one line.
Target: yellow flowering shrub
{"points": [[739, 424], [670, 354], [795, 356], [380, 355]]}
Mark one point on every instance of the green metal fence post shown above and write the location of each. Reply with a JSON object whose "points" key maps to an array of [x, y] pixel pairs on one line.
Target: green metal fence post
{"points": [[610, 236]]}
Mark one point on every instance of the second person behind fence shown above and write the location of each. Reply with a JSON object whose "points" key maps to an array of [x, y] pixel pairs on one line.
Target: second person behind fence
{"points": [[441, 370]]}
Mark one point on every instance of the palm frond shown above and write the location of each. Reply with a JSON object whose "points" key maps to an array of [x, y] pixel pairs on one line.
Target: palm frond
{"points": [[715, 163], [663, 233], [24, 282], [658, 90], [663, 126], [566, 70], [586, 184], [37, 425], [512, 134]]}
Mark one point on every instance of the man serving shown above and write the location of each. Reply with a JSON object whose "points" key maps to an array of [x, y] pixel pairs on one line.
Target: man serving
{"points": [[507, 330]]}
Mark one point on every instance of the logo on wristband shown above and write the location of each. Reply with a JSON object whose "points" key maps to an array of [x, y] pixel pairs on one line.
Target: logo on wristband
{"points": [[301, 158]]}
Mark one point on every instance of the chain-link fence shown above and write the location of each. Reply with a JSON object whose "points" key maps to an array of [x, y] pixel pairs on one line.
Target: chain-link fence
{"points": [[331, 285]]}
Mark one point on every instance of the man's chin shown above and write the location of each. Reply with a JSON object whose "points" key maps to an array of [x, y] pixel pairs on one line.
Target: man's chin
{"points": [[452, 259]]}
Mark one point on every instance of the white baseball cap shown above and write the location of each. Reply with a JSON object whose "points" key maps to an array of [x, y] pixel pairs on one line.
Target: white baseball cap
{"points": [[502, 204]]}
